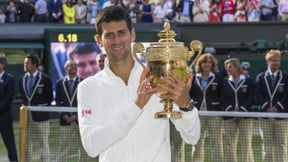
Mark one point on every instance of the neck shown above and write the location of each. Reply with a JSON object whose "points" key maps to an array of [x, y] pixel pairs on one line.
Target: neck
{"points": [[205, 74], [273, 70], [71, 76], [32, 72], [236, 76], [122, 69]]}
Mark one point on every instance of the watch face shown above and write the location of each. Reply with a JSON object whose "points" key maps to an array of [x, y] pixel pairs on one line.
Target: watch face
{"points": [[189, 108]]}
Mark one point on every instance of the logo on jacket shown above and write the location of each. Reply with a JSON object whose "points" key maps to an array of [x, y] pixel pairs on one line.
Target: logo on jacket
{"points": [[86, 112]]}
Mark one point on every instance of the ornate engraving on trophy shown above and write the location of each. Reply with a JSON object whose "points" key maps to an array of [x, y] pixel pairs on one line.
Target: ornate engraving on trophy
{"points": [[168, 55]]}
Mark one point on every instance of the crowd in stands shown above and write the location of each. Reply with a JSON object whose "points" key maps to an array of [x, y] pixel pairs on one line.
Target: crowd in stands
{"points": [[85, 11]]}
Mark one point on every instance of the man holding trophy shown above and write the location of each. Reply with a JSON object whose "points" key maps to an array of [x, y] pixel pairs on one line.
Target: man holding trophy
{"points": [[117, 105]]}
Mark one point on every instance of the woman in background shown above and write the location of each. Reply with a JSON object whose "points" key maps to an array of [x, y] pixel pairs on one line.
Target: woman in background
{"points": [[147, 11], [237, 95], [69, 12], [214, 11], [206, 94]]}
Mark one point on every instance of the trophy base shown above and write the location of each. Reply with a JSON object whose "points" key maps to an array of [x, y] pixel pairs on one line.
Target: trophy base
{"points": [[168, 115]]}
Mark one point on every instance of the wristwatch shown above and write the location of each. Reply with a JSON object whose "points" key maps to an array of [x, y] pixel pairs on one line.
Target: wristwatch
{"points": [[189, 107]]}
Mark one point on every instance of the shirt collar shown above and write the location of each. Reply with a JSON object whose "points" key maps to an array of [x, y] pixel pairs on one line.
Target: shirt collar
{"points": [[201, 76], [68, 78], [241, 77], [270, 72], [34, 74]]}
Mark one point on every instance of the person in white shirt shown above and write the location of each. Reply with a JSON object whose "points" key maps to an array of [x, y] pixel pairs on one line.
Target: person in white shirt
{"points": [[160, 12], [109, 3], [116, 106]]}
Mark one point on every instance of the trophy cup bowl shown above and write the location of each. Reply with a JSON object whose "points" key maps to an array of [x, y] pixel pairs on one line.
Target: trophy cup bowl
{"points": [[168, 55]]}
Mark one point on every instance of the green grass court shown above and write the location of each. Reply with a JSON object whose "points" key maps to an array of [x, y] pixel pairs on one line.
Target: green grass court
{"points": [[54, 137]]}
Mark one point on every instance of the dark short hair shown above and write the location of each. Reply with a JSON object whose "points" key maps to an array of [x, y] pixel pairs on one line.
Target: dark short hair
{"points": [[112, 13], [34, 59], [84, 48], [3, 59]]}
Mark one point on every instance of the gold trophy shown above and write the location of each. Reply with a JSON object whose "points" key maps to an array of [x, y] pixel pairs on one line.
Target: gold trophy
{"points": [[168, 55]]}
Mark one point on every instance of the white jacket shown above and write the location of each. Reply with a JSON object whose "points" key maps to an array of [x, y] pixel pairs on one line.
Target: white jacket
{"points": [[112, 125]]}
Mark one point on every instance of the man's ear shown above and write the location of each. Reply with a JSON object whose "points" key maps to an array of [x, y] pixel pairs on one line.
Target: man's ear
{"points": [[133, 35], [98, 40]]}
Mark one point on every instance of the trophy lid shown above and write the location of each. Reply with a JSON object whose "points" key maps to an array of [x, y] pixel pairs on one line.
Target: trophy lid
{"points": [[167, 35]]}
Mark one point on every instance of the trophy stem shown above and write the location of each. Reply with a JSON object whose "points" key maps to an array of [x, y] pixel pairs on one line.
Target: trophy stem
{"points": [[168, 111]]}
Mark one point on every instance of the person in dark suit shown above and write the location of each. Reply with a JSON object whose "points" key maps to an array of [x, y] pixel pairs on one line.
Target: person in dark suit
{"points": [[7, 90], [66, 95], [184, 9], [206, 94], [272, 96], [25, 11], [36, 90], [55, 11], [237, 94]]}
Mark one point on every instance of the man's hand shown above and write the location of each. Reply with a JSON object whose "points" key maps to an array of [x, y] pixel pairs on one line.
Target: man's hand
{"points": [[177, 89], [144, 91]]}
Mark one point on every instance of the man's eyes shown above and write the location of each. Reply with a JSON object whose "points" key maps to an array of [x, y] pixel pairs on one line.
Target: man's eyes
{"points": [[83, 65], [119, 34]]}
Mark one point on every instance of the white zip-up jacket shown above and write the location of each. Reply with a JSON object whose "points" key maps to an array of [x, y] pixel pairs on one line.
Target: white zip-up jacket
{"points": [[114, 127]]}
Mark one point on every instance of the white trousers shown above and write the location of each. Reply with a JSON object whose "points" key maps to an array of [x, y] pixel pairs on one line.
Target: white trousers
{"points": [[243, 130], [211, 127], [275, 139], [38, 131], [66, 136], [177, 145]]}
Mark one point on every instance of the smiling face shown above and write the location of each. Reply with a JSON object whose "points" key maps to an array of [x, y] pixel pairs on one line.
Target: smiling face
{"points": [[71, 68], [274, 63], [86, 64], [231, 69], [206, 66], [116, 40], [29, 66]]}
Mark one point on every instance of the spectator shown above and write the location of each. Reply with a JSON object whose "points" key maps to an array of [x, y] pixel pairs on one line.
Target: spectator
{"points": [[80, 12], [120, 3], [214, 11], [109, 3], [134, 10], [237, 94], [205, 91], [266, 8], [36, 90], [271, 95], [41, 11], [245, 68], [200, 11], [160, 12], [185, 11], [11, 12], [228, 10], [171, 7], [94, 8], [253, 11], [7, 91], [283, 10], [101, 60], [25, 11], [55, 11], [240, 14], [146, 12], [68, 12], [2, 17]]}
